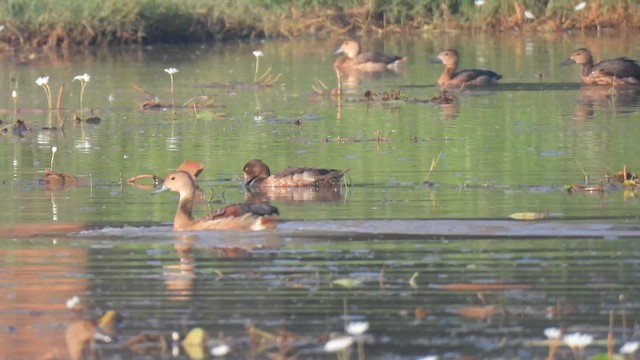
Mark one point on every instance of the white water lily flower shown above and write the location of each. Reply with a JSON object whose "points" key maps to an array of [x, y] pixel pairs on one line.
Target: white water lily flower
{"points": [[552, 333], [479, 2], [529, 15], [258, 53], [220, 350], [72, 302], [171, 71], [578, 340], [43, 80], [629, 347], [581, 6], [175, 336], [357, 327], [83, 77], [338, 344]]}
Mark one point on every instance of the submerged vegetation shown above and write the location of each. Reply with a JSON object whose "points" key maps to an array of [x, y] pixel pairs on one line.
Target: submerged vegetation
{"points": [[54, 23]]}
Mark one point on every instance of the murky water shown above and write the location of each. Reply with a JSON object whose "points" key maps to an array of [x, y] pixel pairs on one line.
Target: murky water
{"points": [[435, 270]]}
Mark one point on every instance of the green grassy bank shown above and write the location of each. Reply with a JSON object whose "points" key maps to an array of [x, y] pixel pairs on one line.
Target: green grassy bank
{"points": [[51, 23]]}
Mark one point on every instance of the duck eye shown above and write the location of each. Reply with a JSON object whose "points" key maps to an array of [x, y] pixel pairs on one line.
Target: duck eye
{"points": [[172, 178]]}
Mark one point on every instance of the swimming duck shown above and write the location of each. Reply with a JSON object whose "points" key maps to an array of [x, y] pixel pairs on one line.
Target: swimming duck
{"points": [[618, 71], [366, 61], [257, 173], [450, 77], [235, 216]]}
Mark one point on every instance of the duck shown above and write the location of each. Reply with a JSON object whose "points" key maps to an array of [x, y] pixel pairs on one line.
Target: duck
{"points": [[231, 217], [462, 78], [258, 174], [353, 59], [617, 71]]}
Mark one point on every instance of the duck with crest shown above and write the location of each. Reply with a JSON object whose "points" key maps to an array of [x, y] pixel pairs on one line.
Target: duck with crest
{"points": [[231, 217], [258, 174]]}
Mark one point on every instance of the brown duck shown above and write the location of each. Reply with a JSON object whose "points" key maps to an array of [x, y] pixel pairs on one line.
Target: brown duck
{"points": [[230, 217], [258, 174]]}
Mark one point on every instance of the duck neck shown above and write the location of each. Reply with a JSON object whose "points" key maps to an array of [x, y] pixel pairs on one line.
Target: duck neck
{"points": [[183, 214], [448, 72], [586, 67]]}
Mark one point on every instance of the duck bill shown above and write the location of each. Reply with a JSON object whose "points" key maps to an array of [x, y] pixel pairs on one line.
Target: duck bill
{"points": [[159, 189], [339, 51], [569, 61], [436, 61]]}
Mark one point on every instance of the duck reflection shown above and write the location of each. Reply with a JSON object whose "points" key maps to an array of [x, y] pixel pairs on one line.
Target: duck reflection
{"points": [[619, 98], [293, 194], [179, 277], [352, 78]]}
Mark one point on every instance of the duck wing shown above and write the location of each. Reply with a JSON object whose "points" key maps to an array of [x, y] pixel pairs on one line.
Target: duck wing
{"points": [[239, 210], [621, 67], [369, 57], [305, 176], [470, 75]]}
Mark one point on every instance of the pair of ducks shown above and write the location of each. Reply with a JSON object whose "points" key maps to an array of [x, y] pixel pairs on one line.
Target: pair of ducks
{"points": [[245, 216], [617, 71], [354, 60]]}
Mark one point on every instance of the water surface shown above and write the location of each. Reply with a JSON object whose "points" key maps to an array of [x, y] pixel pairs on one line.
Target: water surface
{"points": [[483, 286]]}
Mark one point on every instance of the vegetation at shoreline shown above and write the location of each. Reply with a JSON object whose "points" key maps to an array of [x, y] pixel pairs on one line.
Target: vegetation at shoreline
{"points": [[61, 23]]}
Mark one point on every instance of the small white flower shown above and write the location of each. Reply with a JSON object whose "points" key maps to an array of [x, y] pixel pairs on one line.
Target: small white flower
{"points": [[629, 347], [552, 333], [581, 6], [43, 80], [14, 94], [175, 336], [357, 327], [429, 357], [338, 344], [1, 27], [529, 15], [220, 350], [258, 53], [171, 71], [83, 77], [72, 302], [479, 2], [54, 149], [578, 340]]}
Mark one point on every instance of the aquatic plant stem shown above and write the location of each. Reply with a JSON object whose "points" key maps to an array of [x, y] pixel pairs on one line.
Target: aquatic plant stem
{"points": [[47, 93], [81, 97], [54, 149], [255, 76], [14, 96], [173, 99]]}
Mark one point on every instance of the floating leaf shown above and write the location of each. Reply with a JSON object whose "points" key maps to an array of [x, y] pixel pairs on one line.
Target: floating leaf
{"points": [[196, 336], [412, 281], [348, 283], [195, 352], [478, 312], [529, 216], [483, 287], [420, 313]]}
